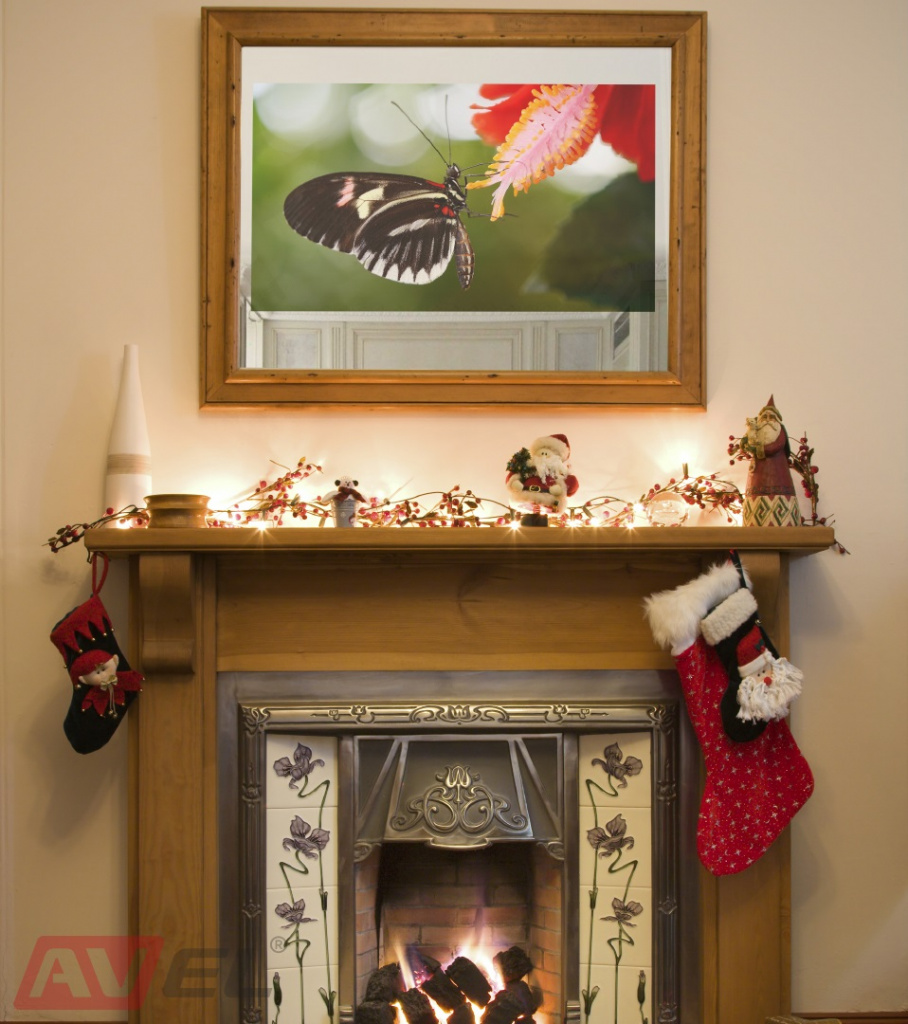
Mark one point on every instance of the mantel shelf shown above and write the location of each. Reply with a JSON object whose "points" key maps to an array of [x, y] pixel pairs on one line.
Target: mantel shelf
{"points": [[494, 540]]}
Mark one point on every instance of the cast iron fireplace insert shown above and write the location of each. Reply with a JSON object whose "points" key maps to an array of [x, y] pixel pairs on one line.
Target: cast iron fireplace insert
{"points": [[464, 809]]}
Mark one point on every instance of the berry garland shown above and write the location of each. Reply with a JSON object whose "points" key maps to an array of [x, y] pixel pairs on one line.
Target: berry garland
{"points": [[271, 503], [274, 503], [131, 515]]}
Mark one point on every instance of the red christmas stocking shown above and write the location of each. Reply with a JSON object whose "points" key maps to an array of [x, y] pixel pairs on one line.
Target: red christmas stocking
{"points": [[753, 787]]}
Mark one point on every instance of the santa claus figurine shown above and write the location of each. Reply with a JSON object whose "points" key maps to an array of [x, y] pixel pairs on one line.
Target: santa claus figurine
{"points": [[770, 498], [540, 476]]}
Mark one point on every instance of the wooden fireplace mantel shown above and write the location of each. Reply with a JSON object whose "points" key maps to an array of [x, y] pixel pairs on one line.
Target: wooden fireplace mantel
{"points": [[206, 601]]}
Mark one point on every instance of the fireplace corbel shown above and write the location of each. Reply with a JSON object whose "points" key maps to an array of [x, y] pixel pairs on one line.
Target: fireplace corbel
{"points": [[207, 602]]}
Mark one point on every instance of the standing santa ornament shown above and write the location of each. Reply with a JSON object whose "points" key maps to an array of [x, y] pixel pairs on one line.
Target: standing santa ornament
{"points": [[539, 478], [769, 498]]}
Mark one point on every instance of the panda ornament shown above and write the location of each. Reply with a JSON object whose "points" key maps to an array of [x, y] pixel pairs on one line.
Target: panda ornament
{"points": [[345, 498]]}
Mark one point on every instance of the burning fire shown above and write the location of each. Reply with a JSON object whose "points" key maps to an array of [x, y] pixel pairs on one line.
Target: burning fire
{"points": [[476, 985], [474, 988]]}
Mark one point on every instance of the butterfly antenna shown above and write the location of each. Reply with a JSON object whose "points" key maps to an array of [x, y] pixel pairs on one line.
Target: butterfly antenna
{"points": [[421, 132], [470, 172]]}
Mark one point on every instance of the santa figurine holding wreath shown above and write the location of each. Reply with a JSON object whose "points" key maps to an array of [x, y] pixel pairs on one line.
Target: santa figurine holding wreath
{"points": [[770, 498], [541, 474]]}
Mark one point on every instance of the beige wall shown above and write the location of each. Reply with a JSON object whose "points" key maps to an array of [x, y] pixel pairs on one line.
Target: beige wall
{"points": [[808, 230]]}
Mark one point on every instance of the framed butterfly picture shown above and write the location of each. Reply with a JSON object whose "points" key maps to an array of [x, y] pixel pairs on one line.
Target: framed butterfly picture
{"points": [[386, 220]]}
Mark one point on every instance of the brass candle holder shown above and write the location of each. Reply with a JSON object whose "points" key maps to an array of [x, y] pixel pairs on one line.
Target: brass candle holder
{"points": [[177, 511]]}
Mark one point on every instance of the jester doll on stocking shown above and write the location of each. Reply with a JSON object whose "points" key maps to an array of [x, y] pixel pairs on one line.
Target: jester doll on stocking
{"points": [[104, 686]]}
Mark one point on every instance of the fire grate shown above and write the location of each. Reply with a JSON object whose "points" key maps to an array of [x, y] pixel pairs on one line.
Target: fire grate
{"points": [[460, 993]]}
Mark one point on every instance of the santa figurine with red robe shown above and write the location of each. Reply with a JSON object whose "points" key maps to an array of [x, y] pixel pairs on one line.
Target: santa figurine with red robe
{"points": [[540, 476], [769, 498]]}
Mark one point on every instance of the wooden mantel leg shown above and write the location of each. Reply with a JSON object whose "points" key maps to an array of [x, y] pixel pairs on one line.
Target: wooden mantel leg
{"points": [[746, 917], [173, 862]]}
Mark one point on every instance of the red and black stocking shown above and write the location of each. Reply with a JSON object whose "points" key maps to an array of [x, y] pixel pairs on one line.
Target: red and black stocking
{"points": [[754, 786], [104, 686]]}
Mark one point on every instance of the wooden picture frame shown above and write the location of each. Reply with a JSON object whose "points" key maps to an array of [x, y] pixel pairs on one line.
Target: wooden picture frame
{"points": [[225, 34]]}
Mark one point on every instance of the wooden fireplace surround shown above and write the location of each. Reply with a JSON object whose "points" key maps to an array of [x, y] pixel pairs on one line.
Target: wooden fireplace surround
{"points": [[204, 601]]}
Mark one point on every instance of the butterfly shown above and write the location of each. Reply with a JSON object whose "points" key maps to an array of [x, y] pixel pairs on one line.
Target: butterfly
{"points": [[398, 226]]}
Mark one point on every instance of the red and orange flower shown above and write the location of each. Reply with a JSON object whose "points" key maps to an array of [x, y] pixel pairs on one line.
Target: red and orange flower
{"points": [[541, 128]]}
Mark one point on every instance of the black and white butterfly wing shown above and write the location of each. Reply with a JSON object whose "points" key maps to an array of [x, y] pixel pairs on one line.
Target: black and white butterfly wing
{"points": [[398, 226]]}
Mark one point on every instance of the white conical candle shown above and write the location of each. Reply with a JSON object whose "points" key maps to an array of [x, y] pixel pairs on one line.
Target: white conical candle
{"points": [[128, 451]]}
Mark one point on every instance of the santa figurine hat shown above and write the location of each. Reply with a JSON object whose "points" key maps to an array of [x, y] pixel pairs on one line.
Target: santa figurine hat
{"points": [[771, 407], [558, 443]]}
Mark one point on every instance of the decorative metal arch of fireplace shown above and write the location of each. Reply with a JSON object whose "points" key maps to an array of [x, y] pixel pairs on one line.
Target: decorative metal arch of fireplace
{"points": [[473, 761]]}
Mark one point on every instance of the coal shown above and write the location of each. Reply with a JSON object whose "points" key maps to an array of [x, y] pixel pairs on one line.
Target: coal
{"points": [[512, 964], [385, 984], [440, 988], [462, 1015], [529, 1000], [429, 963], [470, 980], [421, 964], [505, 1008], [416, 1007], [374, 1011]]}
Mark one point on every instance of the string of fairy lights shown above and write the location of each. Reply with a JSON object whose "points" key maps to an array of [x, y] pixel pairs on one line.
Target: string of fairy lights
{"points": [[278, 502]]}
